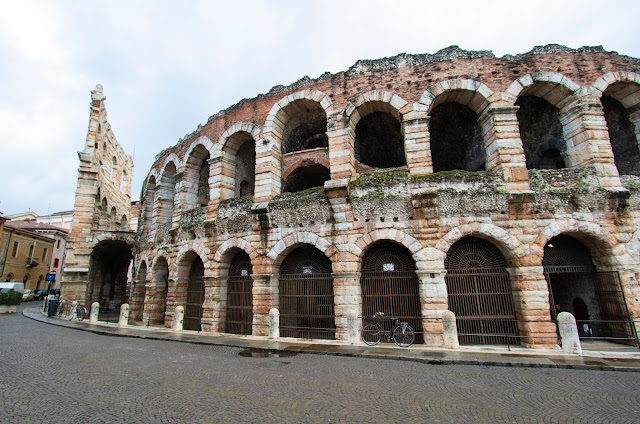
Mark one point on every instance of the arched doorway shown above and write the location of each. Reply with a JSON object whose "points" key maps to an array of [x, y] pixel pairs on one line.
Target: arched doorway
{"points": [[306, 295], [390, 285], [239, 317], [108, 269], [139, 293], [479, 293], [594, 298], [195, 296]]}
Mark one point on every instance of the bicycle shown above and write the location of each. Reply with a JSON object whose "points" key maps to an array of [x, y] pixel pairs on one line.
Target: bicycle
{"points": [[78, 311], [401, 333], [60, 309]]}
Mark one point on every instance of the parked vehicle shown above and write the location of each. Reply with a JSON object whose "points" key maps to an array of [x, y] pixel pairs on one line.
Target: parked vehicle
{"points": [[19, 287], [27, 295], [40, 294]]}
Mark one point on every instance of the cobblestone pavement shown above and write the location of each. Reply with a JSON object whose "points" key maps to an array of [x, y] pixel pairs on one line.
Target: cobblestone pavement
{"points": [[58, 375]]}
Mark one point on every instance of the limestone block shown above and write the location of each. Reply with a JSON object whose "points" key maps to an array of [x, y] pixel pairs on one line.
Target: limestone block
{"points": [[569, 333]]}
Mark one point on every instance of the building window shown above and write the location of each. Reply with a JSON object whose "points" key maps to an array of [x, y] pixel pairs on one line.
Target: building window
{"points": [[14, 253], [58, 247], [30, 252], [56, 262], [44, 254]]}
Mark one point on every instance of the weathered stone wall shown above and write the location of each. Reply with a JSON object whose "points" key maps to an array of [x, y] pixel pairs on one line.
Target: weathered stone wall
{"points": [[517, 209]]}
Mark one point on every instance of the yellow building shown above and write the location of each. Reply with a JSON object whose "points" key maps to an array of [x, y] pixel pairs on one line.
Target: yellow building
{"points": [[24, 256]]}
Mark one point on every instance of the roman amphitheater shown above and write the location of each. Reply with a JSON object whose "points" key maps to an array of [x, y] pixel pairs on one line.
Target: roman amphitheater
{"points": [[504, 190]]}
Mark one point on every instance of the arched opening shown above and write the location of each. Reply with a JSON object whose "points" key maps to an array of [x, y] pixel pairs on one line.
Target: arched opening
{"points": [[306, 127], [196, 176], [379, 141], [115, 224], [146, 208], [9, 277], [203, 183], [165, 195], [306, 177], [306, 295], [479, 293], [626, 152], [456, 138], [156, 304], [139, 293], [108, 269], [195, 296], [571, 275], [124, 223], [245, 168], [541, 133], [239, 318], [390, 285]]}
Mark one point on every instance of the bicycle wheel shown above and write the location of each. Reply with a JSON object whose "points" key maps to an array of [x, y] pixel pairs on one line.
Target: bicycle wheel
{"points": [[403, 335], [60, 310], [81, 313], [371, 334]]}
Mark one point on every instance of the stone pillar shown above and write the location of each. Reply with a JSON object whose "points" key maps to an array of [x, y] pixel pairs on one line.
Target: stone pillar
{"points": [[268, 167], [178, 319], [214, 305], [587, 137], [347, 298], [353, 325], [95, 311], [274, 323], [265, 291], [531, 302], [635, 120], [417, 143], [504, 150], [123, 321], [569, 333], [341, 146], [433, 298], [450, 329], [220, 181]]}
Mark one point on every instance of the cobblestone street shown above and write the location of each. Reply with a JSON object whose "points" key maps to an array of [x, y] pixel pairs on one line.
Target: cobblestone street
{"points": [[58, 375]]}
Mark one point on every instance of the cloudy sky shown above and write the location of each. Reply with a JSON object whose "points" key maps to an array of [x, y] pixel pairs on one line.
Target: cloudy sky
{"points": [[166, 66]]}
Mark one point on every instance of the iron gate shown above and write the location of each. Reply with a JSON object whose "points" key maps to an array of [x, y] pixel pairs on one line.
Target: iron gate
{"points": [[615, 323], [195, 297], [396, 294], [239, 304], [306, 306], [479, 293]]}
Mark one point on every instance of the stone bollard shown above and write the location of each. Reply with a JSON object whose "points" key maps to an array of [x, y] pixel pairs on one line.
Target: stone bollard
{"points": [[178, 319], [450, 330], [352, 327], [274, 323], [124, 315], [569, 333], [95, 311]]}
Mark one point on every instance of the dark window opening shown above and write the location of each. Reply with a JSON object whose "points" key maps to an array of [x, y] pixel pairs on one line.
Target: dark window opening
{"points": [[306, 177], [379, 141], [203, 183], [245, 168], [456, 139], [306, 129], [622, 135], [541, 133]]}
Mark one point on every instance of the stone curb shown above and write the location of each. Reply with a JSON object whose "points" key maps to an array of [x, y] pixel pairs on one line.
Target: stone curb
{"points": [[335, 350]]}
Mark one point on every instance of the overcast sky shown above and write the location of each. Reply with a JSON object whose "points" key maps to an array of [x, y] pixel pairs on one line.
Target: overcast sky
{"points": [[166, 66]]}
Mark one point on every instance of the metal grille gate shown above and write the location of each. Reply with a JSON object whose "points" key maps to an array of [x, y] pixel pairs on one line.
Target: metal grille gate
{"points": [[195, 297], [615, 324], [479, 293], [239, 318], [306, 295]]}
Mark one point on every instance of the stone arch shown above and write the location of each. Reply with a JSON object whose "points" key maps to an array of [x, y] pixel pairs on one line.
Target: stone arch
{"points": [[198, 249], [629, 96], [203, 141], [387, 234], [221, 257], [457, 140], [195, 187], [288, 243], [551, 86], [511, 247], [306, 173], [278, 118], [603, 246], [375, 120], [147, 201], [468, 92], [165, 196], [237, 153]]}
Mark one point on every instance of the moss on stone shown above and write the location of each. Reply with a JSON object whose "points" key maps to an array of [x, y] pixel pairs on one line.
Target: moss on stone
{"points": [[235, 202], [292, 200], [380, 178]]}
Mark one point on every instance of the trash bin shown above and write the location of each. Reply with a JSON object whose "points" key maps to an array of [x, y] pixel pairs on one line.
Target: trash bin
{"points": [[53, 307]]}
